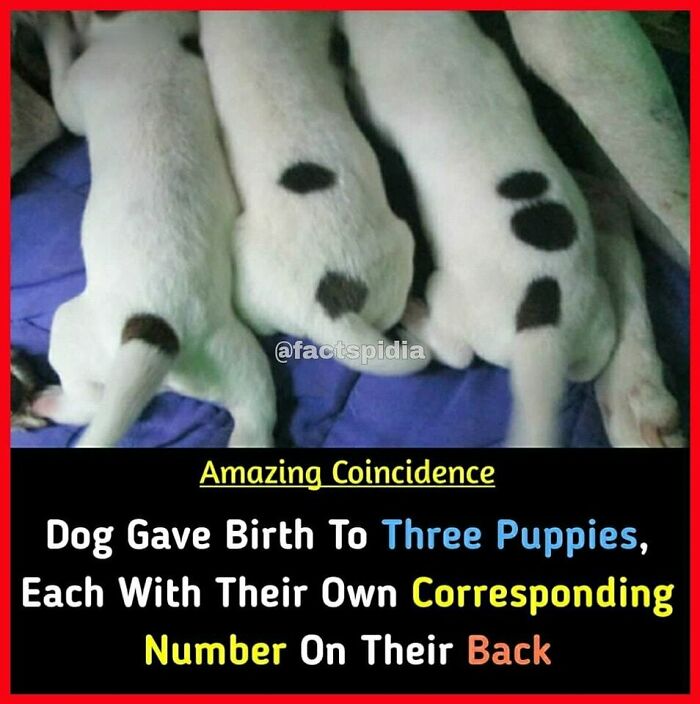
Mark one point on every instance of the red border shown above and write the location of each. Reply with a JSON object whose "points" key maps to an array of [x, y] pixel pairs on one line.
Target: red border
{"points": [[339, 698]]}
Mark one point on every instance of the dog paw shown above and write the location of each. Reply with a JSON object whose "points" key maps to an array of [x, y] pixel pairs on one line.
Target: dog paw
{"points": [[640, 413], [47, 403]]}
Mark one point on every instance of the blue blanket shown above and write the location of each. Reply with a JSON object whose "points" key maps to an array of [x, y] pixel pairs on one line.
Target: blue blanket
{"points": [[320, 403]]}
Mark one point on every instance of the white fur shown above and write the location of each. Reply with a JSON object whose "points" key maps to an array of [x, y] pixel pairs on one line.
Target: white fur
{"points": [[603, 65], [281, 102], [446, 96], [155, 235]]}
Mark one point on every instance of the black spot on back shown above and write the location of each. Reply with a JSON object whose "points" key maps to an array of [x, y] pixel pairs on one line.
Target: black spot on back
{"points": [[541, 305], [306, 176], [152, 330], [522, 185], [548, 226], [339, 50], [339, 293], [108, 14], [190, 43]]}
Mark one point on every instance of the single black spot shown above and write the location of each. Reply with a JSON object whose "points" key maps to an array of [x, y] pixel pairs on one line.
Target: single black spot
{"points": [[108, 14], [522, 185], [339, 293], [190, 43], [548, 226], [339, 50], [152, 330], [541, 305], [306, 176], [18, 394]]}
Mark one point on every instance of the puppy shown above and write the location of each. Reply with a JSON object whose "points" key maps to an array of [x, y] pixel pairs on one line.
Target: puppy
{"points": [[156, 233], [516, 279], [318, 252]]}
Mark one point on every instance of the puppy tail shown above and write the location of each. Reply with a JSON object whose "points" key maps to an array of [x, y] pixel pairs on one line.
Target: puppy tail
{"points": [[148, 350], [367, 350], [537, 383]]}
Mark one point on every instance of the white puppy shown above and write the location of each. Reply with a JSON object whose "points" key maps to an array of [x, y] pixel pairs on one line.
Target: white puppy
{"points": [[516, 279], [318, 252], [156, 234], [636, 137]]}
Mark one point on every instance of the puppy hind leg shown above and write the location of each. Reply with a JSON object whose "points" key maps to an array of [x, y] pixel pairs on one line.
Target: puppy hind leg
{"points": [[245, 385], [73, 402], [637, 408], [253, 405]]}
